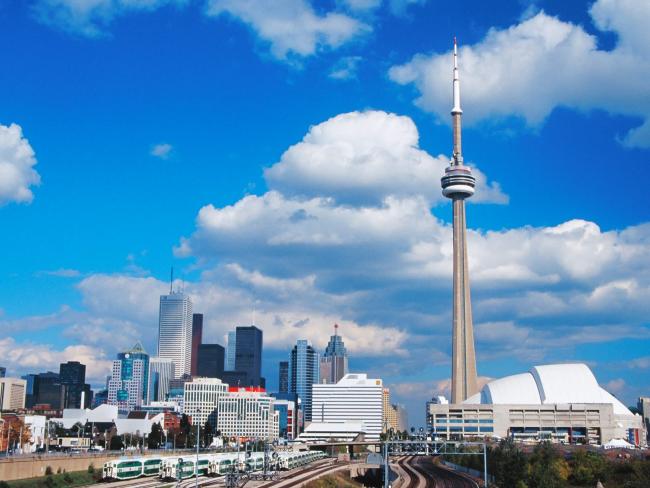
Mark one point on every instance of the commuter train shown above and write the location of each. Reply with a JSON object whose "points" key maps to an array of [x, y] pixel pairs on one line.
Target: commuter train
{"points": [[175, 467]]}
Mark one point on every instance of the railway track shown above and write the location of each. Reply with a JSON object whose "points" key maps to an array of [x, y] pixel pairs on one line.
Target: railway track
{"points": [[295, 479], [445, 478]]}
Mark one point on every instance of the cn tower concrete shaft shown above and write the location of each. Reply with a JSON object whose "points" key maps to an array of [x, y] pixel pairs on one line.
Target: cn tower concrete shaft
{"points": [[458, 184], [463, 374]]}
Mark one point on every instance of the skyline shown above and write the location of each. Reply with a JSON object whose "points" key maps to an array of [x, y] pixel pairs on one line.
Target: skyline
{"points": [[150, 153]]}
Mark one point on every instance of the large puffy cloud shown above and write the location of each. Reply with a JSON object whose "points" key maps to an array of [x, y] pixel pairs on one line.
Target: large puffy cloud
{"points": [[542, 63], [24, 357], [17, 161], [90, 17], [366, 157], [291, 27]]}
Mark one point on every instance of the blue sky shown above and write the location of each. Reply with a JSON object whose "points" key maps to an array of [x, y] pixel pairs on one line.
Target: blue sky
{"points": [[287, 160]]}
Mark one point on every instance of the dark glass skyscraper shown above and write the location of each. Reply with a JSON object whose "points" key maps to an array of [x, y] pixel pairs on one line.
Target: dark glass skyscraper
{"points": [[73, 379], [248, 355], [284, 377], [48, 390], [197, 337], [3, 371], [210, 361], [304, 373]]}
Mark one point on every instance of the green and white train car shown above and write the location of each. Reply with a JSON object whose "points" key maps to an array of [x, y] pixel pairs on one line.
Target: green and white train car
{"points": [[221, 464], [130, 468], [122, 469], [175, 468]]}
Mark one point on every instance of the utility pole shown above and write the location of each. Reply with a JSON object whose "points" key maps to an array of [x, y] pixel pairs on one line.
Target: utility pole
{"points": [[196, 466]]}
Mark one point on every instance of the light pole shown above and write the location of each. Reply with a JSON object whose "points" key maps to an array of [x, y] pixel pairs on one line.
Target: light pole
{"points": [[196, 466]]}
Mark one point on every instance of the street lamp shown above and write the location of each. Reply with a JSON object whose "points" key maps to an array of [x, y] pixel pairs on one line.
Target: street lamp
{"points": [[196, 466]]}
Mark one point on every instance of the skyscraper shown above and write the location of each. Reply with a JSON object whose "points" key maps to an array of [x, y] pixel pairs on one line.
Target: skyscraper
{"points": [[283, 377], [248, 355], [458, 184], [197, 337], [161, 372], [3, 371], [48, 390], [334, 363], [129, 382], [210, 361], [73, 378], [231, 351], [304, 373], [175, 331]]}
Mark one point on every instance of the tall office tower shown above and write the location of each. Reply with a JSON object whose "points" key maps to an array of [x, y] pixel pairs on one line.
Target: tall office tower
{"points": [[175, 331], [355, 398], [284, 377], [73, 378], [48, 390], [3, 371], [29, 389], [197, 338], [161, 372], [458, 184], [231, 351], [334, 363], [304, 374], [129, 382], [210, 361], [248, 355], [12, 393]]}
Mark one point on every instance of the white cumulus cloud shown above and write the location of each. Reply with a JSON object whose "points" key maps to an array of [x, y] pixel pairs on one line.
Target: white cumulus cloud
{"points": [[17, 161], [291, 27], [366, 157], [530, 68], [91, 17]]}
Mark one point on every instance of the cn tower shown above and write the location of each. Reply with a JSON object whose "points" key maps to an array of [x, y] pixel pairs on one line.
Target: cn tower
{"points": [[458, 184]]}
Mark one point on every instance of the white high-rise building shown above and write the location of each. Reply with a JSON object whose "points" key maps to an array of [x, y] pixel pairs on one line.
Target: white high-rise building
{"points": [[355, 398], [12, 393], [231, 351], [201, 398], [175, 331], [161, 371], [247, 413]]}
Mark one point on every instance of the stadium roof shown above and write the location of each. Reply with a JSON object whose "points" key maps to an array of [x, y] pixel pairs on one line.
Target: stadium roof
{"points": [[548, 384]]}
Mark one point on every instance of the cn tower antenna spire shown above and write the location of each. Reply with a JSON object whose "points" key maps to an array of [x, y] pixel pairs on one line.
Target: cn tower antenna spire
{"points": [[456, 112]]}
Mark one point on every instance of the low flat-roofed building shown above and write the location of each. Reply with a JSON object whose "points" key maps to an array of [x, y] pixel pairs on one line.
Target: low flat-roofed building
{"points": [[348, 431], [558, 402]]}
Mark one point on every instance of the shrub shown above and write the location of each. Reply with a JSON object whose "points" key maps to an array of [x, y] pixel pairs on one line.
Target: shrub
{"points": [[58, 471], [48, 470], [91, 468], [67, 478], [49, 482], [4, 484]]}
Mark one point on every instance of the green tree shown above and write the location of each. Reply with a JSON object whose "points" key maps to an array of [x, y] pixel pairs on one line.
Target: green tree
{"points": [[547, 468], [640, 476], [116, 443], [207, 434], [507, 463], [587, 467], [155, 437]]}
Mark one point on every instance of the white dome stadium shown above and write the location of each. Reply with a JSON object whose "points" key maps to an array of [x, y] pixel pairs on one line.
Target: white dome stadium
{"points": [[548, 384]]}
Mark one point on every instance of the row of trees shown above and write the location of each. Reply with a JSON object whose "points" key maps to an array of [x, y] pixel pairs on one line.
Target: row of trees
{"points": [[547, 467]]}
